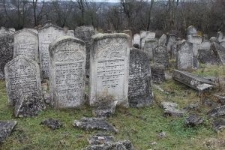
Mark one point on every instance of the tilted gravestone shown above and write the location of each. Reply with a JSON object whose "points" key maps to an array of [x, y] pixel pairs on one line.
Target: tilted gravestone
{"points": [[109, 68], [67, 65], [23, 81], [140, 85], [85, 33], [185, 56], [46, 35], [163, 40], [149, 45], [208, 57], [26, 44], [219, 51], [6, 51], [160, 56]]}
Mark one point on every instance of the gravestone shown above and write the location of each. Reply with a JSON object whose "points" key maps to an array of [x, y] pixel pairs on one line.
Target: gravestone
{"points": [[208, 57], [22, 77], [140, 86], [85, 33], [191, 30], [136, 39], [67, 65], [6, 51], [170, 43], [160, 56], [222, 44], [219, 51], [26, 44], [109, 70], [148, 37], [129, 32], [185, 56], [46, 35], [158, 73], [150, 44], [220, 37], [163, 40]]}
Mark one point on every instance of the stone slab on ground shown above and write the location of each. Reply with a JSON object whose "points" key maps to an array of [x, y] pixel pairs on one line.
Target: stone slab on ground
{"points": [[6, 128], [100, 139], [219, 124], [193, 120], [217, 112], [52, 123], [94, 124], [171, 109], [192, 81]]}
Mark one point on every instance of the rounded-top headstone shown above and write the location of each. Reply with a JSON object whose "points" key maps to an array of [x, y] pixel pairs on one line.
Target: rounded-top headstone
{"points": [[191, 30]]}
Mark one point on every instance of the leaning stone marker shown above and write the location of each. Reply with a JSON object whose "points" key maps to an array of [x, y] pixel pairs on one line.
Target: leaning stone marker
{"points": [[185, 56], [109, 70], [26, 44], [219, 51], [67, 63], [6, 127], [6, 52], [22, 77], [160, 56], [46, 35], [140, 85]]}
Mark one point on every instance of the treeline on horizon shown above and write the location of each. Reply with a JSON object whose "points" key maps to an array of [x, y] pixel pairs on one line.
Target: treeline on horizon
{"points": [[208, 16]]}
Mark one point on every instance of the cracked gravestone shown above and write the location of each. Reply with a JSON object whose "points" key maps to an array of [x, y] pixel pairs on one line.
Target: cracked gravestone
{"points": [[6, 128], [67, 72]]}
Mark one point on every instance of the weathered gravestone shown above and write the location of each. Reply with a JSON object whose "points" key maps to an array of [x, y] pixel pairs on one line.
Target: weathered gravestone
{"points": [[109, 70], [148, 37], [22, 80], [170, 43], [136, 40], [219, 51], [185, 56], [220, 37], [67, 65], [6, 52], [208, 57], [140, 85], [191, 30], [163, 40], [149, 45], [85, 33], [160, 56], [46, 35], [158, 73], [129, 32], [26, 44]]}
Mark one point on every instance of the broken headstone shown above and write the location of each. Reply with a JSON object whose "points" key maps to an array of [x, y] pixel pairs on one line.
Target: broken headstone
{"points": [[6, 128]]}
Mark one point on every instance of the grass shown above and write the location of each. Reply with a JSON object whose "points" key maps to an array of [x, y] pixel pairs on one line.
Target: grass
{"points": [[140, 125]]}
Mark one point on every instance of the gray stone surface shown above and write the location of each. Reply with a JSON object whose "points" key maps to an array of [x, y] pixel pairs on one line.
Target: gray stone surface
{"points": [[158, 73], [52, 123], [6, 128], [67, 76], [219, 52], [208, 57], [105, 109], [85, 33], [26, 44], [190, 80], [171, 109], [220, 98], [129, 32], [136, 40], [205, 45], [163, 40], [160, 56], [149, 45], [109, 70], [213, 39], [47, 35], [101, 139], [147, 36], [185, 56], [193, 120], [120, 145], [191, 30], [220, 37], [217, 112], [140, 85], [6, 52], [219, 124], [29, 105], [222, 44], [94, 124], [170, 43], [22, 77]]}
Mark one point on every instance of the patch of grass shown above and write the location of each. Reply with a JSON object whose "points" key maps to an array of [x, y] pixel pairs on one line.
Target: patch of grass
{"points": [[140, 125]]}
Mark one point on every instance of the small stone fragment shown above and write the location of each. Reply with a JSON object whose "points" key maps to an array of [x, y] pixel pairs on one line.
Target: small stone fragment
{"points": [[193, 120], [52, 123], [101, 139], [217, 112], [106, 110], [94, 124], [219, 124], [6, 128], [170, 109]]}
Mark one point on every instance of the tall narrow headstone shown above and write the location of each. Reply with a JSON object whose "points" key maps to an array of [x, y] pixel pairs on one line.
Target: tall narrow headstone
{"points": [[136, 40], [26, 44], [129, 32], [140, 86], [6, 51], [185, 56], [22, 76], [163, 40], [150, 44], [109, 68], [67, 76], [172, 40], [46, 35], [219, 51], [160, 56]]}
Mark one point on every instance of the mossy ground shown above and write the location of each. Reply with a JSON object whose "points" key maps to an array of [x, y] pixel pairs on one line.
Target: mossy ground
{"points": [[140, 125]]}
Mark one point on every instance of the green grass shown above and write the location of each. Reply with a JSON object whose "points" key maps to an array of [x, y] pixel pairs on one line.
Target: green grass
{"points": [[140, 125]]}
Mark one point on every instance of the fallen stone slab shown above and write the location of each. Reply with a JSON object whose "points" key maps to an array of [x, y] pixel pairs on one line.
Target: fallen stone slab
{"points": [[219, 124], [94, 124], [217, 112], [52, 123], [193, 120], [120, 145], [6, 128], [171, 109], [101, 139], [192, 81]]}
